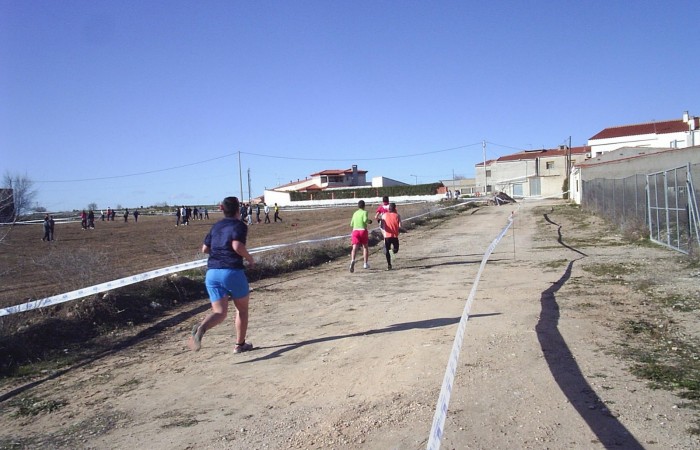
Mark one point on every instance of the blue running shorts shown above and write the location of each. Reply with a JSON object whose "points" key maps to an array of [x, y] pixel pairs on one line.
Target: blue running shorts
{"points": [[221, 283]]}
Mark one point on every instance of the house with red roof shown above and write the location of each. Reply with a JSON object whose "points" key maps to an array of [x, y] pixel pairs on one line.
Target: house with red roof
{"points": [[327, 179], [678, 133], [529, 173]]}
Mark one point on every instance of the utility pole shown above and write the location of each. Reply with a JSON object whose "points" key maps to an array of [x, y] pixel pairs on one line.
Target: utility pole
{"points": [[483, 148], [240, 174], [250, 195], [568, 170]]}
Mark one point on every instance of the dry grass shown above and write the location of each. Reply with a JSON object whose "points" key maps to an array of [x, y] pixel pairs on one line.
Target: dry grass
{"points": [[51, 338], [657, 346]]}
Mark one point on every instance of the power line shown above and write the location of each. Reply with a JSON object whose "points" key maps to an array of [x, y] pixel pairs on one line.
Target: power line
{"points": [[138, 173], [522, 149], [260, 155], [506, 146], [363, 159]]}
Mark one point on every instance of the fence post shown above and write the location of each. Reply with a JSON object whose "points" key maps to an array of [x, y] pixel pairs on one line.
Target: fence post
{"points": [[693, 213], [649, 222], [668, 216]]}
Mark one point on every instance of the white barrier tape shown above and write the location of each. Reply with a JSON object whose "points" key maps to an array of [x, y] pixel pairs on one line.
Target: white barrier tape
{"points": [[36, 222], [436, 432], [121, 282], [99, 288]]}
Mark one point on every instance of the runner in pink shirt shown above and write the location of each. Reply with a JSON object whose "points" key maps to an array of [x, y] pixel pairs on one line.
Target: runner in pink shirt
{"points": [[381, 209]]}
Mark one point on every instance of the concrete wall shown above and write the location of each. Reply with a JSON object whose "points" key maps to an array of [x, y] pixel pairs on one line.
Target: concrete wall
{"points": [[463, 185], [625, 165], [281, 198], [625, 162], [575, 185]]}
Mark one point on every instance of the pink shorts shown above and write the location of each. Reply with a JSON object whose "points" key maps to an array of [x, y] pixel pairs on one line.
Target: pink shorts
{"points": [[360, 237]]}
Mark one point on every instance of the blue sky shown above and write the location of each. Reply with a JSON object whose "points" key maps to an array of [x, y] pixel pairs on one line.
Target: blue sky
{"points": [[143, 102]]}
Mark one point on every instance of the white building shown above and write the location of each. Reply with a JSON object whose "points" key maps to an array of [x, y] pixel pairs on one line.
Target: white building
{"points": [[679, 133], [465, 186], [530, 173], [327, 180]]}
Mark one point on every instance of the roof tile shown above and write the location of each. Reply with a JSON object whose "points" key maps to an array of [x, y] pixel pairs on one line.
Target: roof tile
{"points": [[667, 126]]}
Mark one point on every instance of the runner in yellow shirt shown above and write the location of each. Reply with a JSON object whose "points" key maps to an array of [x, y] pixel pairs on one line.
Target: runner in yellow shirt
{"points": [[360, 235]]}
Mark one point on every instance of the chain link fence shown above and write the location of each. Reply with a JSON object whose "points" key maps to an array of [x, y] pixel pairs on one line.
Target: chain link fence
{"points": [[660, 205]]}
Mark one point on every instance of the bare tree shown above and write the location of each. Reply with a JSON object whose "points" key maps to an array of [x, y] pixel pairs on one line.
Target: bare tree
{"points": [[92, 206], [7, 206], [23, 192], [7, 213]]}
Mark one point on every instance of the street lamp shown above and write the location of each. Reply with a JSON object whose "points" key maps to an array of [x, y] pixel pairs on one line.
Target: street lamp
{"points": [[416, 176]]}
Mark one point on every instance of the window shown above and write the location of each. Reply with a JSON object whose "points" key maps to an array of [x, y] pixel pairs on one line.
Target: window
{"points": [[488, 173], [550, 165]]}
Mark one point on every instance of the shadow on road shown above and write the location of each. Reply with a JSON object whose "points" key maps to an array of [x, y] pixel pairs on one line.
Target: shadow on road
{"points": [[560, 239], [566, 372], [430, 323]]}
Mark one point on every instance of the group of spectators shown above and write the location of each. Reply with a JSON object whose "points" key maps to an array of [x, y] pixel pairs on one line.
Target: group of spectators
{"points": [[49, 225], [87, 219], [450, 195], [109, 215], [247, 213], [184, 214], [250, 213]]}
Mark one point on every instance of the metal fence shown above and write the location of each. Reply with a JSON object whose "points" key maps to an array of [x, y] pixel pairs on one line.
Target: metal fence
{"points": [[664, 202]]}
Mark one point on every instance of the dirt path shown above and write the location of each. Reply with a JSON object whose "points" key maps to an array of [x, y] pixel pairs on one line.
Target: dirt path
{"points": [[356, 360]]}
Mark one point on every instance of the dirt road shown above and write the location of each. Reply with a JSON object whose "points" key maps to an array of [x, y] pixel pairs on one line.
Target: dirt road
{"points": [[356, 360]]}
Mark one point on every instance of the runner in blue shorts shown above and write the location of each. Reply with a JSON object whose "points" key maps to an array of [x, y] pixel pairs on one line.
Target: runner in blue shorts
{"points": [[225, 279]]}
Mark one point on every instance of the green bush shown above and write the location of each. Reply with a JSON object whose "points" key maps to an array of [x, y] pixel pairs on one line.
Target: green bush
{"points": [[367, 192]]}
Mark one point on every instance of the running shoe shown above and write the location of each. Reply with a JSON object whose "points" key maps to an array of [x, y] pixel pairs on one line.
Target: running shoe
{"points": [[244, 347]]}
